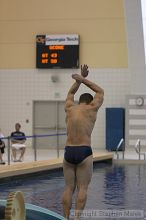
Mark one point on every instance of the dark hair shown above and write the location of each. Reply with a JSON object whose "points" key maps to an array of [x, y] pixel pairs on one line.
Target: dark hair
{"points": [[18, 124], [85, 98]]}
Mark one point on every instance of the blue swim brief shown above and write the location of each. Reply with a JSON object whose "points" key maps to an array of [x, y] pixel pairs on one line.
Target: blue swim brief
{"points": [[76, 154]]}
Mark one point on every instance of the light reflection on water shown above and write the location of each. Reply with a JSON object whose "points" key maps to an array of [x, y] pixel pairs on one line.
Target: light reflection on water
{"points": [[113, 187], [118, 187]]}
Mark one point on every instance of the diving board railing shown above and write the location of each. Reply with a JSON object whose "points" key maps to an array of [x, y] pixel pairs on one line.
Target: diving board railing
{"points": [[120, 146], [9, 138], [138, 150]]}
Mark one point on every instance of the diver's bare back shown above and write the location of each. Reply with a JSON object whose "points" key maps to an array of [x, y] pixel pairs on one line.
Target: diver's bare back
{"points": [[80, 120]]}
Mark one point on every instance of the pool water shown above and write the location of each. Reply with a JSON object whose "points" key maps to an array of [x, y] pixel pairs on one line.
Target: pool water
{"points": [[113, 187]]}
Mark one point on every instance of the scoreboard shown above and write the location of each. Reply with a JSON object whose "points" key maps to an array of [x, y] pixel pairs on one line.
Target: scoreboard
{"points": [[57, 51]]}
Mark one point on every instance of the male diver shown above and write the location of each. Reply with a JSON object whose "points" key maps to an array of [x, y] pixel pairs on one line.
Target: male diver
{"points": [[78, 159]]}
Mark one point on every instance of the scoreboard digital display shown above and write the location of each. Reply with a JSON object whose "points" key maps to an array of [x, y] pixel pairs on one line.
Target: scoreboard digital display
{"points": [[57, 51]]}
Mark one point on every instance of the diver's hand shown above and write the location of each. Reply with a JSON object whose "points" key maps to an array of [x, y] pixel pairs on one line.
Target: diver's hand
{"points": [[84, 70]]}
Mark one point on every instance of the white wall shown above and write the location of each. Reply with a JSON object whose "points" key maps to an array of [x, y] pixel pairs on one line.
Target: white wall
{"points": [[135, 43], [18, 89]]}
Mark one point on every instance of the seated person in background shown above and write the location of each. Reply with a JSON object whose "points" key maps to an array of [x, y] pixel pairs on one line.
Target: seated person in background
{"points": [[2, 147], [18, 139]]}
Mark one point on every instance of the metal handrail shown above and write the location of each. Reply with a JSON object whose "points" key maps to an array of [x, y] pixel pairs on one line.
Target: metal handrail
{"points": [[138, 149], [118, 147], [137, 146]]}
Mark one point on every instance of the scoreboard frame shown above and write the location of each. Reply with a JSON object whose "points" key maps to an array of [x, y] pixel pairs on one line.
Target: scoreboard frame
{"points": [[57, 51]]}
